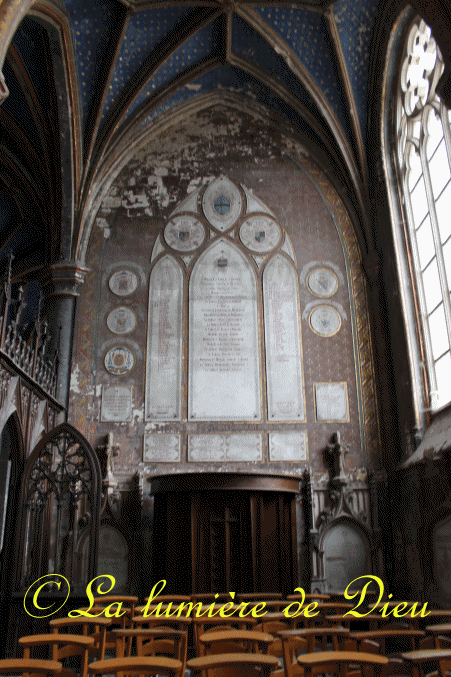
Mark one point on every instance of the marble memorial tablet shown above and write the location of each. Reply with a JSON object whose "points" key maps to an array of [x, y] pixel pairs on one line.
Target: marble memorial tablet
{"points": [[325, 320], [260, 233], [116, 403], [331, 400], [161, 448], [119, 360], [184, 233], [283, 342], [288, 446], [123, 282], [164, 341], [222, 203], [225, 447], [223, 372], [121, 320], [322, 282]]}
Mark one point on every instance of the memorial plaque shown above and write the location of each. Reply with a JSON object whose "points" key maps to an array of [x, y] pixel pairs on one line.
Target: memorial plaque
{"points": [[121, 320], [123, 282], [119, 360], [224, 373], [325, 320], [260, 233], [289, 446], [164, 341], [225, 447], [116, 403], [161, 448], [222, 203], [331, 400], [283, 342], [184, 233], [113, 556], [322, 282]]}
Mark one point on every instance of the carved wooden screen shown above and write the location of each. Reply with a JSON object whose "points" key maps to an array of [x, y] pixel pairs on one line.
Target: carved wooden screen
{"points": [[61, 494]]}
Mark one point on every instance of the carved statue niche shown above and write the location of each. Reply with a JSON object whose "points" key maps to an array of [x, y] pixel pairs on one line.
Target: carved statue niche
{"points": [[341, 537], [118, 522]]}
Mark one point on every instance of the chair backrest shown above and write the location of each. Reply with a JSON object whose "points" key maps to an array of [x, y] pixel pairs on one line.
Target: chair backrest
{"points": [[394, 636], [152, 642], [142, 665], [234, 641], [234, 665], [339, 662], [124, 603], [419, 659], [60, 646], [88, 627], [29, 666], [307, 640]]}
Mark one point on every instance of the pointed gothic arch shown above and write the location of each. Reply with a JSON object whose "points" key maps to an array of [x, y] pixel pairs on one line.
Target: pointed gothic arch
{"points": [[60, 499]]}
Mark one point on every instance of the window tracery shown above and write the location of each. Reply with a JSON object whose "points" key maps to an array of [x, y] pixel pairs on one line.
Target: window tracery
{"points": [[424, 161]]}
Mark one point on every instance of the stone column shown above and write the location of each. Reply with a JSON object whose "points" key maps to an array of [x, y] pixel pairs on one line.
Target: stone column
{"points": [[61, 288], [4, 91]]}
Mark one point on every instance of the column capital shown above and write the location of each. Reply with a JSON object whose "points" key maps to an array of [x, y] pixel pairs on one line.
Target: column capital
{"points": [[64, 279]]}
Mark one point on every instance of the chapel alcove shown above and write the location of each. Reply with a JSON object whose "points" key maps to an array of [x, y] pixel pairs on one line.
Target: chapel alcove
{"points": [[347, 554], [225, 532]]}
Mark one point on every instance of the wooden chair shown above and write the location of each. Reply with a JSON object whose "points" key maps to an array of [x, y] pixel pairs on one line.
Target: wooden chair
{"points": [[177, 623], [234, 641], [234, 665], [380, 638], [340, 662], [128, 603], [437, 637], [204, 624], [134, 665], [307, 640], [60, 646], [28, 666], [87, 627], [152, 642], [309, 597], [422, 661], [274, 623]]}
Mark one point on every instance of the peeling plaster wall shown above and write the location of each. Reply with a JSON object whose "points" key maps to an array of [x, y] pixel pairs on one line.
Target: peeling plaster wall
{"points": [[253, 153]]}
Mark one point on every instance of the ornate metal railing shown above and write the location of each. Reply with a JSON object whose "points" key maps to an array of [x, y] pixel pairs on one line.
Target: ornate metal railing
{"points": [[28, 354]]}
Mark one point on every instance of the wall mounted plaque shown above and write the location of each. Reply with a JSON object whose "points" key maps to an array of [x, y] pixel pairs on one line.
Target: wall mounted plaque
{"points": [[322, 282], [260, 233], [119, 360], [222, 203], [225, 447], [289, 446], [223, 369], [164, 341], [283, 341], [123, 282], [184, 233], [331, 402], [161, 448], [116, 403], [121, 320], [325, 320]]}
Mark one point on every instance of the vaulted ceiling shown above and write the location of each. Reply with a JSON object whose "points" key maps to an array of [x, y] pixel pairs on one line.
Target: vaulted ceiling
{"points": [[87, 78]]}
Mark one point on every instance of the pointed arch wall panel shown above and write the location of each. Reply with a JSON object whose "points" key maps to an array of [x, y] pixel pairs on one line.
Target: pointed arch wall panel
{"points": [[154, 213]]}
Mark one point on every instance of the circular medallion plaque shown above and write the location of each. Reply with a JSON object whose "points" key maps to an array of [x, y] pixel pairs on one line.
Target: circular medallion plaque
{"points": [[123, 282], [222, 203], [260, 233], [121, 320], [119, 360], [322, 282], [184, 233], [325, 320]]}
